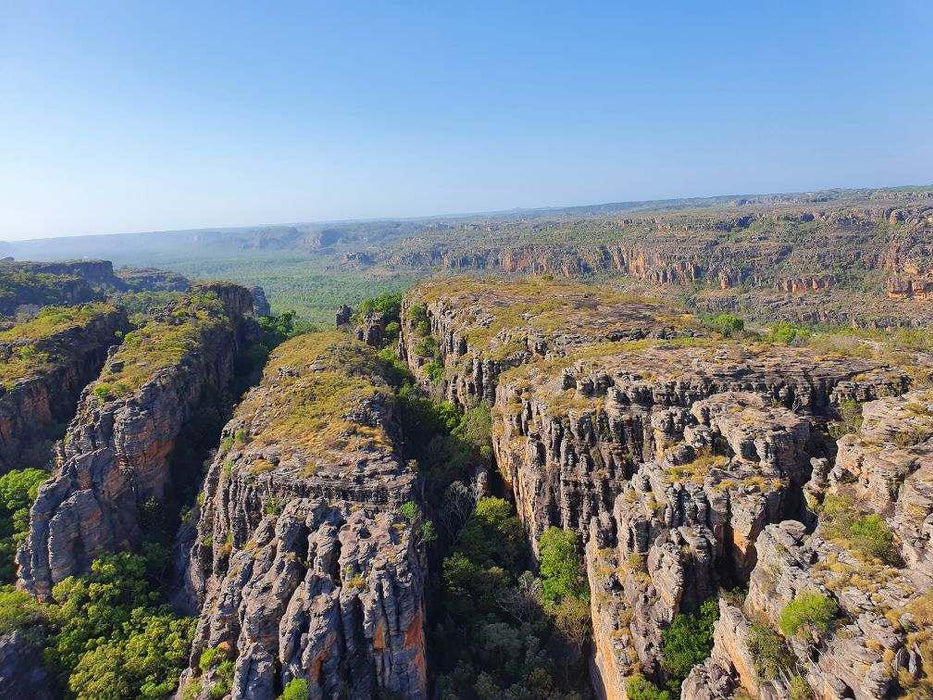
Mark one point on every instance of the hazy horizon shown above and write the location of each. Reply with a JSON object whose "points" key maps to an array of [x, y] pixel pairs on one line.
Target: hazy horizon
{"points": [[454, 214], [126, 117]]}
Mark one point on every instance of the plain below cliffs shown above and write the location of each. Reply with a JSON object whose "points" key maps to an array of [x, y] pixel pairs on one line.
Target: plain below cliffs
{"points": [[306, 564], [117, 454]]}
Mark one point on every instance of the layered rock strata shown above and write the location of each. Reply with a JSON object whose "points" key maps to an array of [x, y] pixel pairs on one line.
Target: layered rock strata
{"points": [[45, 364], [476, 329], [304, 565], [117, 453], [671, 453]]}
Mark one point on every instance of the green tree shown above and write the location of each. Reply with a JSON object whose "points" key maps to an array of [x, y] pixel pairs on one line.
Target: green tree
{"points": [[561, 565], [18, 491], [145, 661], [688, 641], [640, 688]]}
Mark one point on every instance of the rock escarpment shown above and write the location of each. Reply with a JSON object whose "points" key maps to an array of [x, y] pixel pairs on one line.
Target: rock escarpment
{"points": [[673, 452], [476, 329], [304, 565], [878, 643], [44, 365], [27, 286], [118, 451]]}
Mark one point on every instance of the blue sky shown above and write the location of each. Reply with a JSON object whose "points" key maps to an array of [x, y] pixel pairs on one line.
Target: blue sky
{"points": [[129, 116]]}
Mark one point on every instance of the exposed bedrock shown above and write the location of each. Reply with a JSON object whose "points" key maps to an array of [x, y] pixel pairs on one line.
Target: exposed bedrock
{"points": [[669, 451], [304, 566], [878, 644], [46, 396], [117, 453]]}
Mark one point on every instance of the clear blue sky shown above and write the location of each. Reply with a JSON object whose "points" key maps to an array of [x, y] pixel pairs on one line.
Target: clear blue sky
{"points": [[128, 116]]}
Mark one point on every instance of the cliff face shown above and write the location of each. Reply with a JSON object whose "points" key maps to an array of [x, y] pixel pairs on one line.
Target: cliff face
{"points": [[878, 643], [674, 453], [117, 453], [46, 362], [304, 566]]}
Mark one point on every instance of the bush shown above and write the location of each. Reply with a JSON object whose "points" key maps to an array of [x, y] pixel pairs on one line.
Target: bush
{"points": [[435, 370], [640, 688], [868, 536], [768, 651], [111, 639], [807, 610], [872, 536], [727, 324], [295, 689], [419, 320], [688, 641], [427, 347], [799, 689], [788, 333], [388, 304], [18, 610]]}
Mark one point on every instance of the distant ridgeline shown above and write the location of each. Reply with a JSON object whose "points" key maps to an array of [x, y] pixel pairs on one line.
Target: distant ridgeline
{"points": [[839, 256], [27, 286]]}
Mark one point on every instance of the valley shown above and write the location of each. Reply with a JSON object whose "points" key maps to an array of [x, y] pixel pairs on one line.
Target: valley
{"points": [[678, 449]]}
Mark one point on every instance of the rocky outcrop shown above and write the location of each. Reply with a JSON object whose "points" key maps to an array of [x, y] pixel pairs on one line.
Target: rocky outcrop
{"points": [[372, 329], [477, 329], [148, 279], [260, 303], [118, 451], [671, 453], [46, 362], [21, 671], [878, 644], [304, 564]]}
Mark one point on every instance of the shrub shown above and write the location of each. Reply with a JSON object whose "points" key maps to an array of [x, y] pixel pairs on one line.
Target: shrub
{"points": [[799, 689], [427, 347], [868, 536], [727, 324], [419, 320], [809, 610], [872, 536], [435, 370], [18, 610], [103, 392], [767, 649], [787, 333], [18, 491], [640, 688], [850, 419], [688, 641], [295, 689]]}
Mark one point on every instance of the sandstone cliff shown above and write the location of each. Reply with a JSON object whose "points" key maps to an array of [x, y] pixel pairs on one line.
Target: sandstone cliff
{"points": [[118, 451], [44, 365], [304, 565], [878, 642], [672, 452]]}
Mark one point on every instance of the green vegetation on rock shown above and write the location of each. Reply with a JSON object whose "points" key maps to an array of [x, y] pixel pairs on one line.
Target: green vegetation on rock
{"points": [[808, 610], [35, 346], [867, 535], [640, 688]]}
